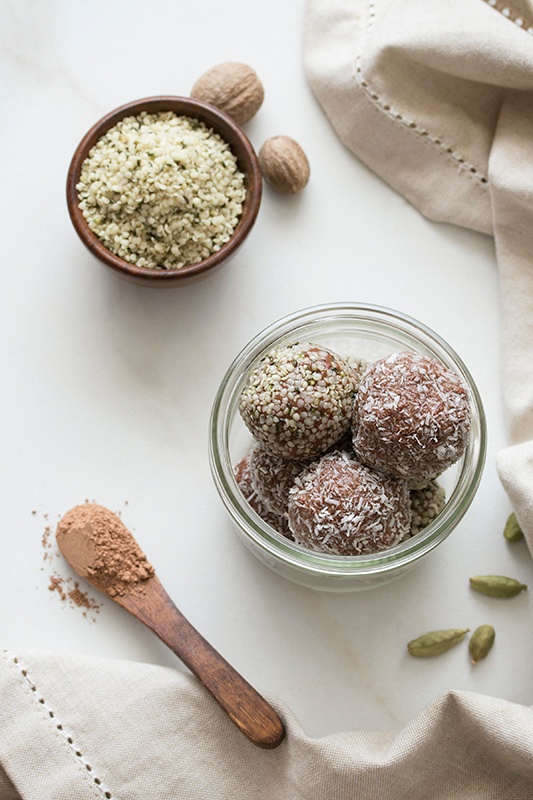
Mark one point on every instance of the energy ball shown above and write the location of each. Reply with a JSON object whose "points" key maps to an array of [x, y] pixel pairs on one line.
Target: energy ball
{"points": [[411, 417], [298, 401], [426, 505], [244, 482], [358, 366], [341, 507], [273, 477]]}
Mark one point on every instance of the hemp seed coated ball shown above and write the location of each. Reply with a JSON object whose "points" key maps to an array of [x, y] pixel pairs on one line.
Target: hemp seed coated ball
{"points": [[358, 366], [411, 417], [244, 482], [341, 507], [426, 505], [297, 402], [273, 477]]}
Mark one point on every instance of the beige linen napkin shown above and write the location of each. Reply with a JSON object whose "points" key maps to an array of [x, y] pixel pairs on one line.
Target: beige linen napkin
{"points": [[436, 96], [73, 728]]}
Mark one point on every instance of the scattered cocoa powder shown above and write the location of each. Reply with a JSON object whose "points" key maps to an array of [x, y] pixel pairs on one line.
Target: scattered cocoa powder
{"points": [[46, 542], [99, 547], [56, 585], [65, 588], [82, 599], [69, 591]]}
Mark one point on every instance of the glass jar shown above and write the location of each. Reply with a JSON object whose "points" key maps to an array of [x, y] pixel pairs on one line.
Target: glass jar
{"points": [[368, 332]]}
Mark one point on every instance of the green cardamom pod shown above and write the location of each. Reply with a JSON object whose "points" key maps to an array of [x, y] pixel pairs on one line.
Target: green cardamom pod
{"points": [[512, 531], [496, 585], [481, 642], [436, 642]]}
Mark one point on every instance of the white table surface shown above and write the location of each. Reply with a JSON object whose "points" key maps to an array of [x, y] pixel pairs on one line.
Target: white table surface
{"points": [[107, 386]]}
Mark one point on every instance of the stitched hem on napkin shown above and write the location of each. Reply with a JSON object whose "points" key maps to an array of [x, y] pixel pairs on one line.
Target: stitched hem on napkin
{"points": [[51, 745]]}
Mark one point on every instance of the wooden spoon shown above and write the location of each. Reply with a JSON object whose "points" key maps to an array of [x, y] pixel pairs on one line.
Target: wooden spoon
{"points": [[100, 548]]}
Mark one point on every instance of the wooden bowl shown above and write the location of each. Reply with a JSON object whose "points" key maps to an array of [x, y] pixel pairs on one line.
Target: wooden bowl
{"points": [[247, 162]]}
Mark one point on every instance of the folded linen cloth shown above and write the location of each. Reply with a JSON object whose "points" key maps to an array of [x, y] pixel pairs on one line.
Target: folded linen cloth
{"points": [[74, 727], [437, 98]]}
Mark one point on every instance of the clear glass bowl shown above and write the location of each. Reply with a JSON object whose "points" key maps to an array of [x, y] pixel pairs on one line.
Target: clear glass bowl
{"points": [[364, 331]]}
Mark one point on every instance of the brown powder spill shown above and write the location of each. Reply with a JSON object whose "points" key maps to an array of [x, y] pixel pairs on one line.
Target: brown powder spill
{"points": [[45, 541], [57, 585], [99, 547], [82, 599], [70, 592], [63, 587]]}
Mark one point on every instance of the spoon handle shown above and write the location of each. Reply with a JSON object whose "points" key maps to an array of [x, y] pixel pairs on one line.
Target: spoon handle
{"points": [[244, 705]]}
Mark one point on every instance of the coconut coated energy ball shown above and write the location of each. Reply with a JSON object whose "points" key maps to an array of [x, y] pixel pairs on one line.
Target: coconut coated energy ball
{"points": [[297, 402], [411, 417], [341, 507], [273, 477], [244, 482]]}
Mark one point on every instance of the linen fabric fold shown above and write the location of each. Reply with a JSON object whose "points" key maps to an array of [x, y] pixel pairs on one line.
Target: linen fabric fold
{"points": [[79, 727], [437, 98]]}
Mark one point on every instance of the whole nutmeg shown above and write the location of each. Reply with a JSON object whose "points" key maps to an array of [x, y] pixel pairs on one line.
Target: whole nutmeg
{"points": [[232, 87], [284, 164]]}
